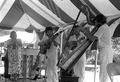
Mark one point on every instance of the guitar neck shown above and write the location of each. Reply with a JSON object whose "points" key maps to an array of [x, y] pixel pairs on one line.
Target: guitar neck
{"points": [[55, 36]]}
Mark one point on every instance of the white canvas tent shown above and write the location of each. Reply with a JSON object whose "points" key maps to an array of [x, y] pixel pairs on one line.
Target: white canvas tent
{"points": [[25, 15]]}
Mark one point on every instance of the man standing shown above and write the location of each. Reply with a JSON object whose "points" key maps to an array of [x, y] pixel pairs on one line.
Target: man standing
{"points": [[104, 45], [76, 39], [51, 54]]}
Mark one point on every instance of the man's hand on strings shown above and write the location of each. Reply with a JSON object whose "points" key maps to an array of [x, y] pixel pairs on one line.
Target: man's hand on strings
{"points": [[78, 27], [81, 39], [81, 29], [87, 29]]}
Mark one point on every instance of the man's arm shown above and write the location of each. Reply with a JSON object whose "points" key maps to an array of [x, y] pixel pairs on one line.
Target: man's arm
{"points": [[87, 33]]}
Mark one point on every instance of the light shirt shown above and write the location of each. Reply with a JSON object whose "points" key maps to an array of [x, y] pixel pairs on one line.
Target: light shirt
{"points": [[114, 25], [104, 36]]}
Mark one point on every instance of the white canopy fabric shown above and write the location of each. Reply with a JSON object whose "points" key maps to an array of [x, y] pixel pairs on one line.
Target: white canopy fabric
{"points": [[25, 15]]}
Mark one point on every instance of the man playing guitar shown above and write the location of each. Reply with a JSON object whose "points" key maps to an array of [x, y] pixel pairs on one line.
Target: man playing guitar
{"points": [[51, 53]]}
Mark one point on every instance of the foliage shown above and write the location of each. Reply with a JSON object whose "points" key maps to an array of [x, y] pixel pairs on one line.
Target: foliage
{"points": [[116, 45], [116, 51]]}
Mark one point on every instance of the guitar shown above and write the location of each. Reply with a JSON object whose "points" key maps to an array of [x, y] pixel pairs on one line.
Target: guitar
{"points": [[73, 44], [47, 44]]}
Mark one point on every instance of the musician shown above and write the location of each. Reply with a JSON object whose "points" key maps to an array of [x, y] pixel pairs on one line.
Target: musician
{"points": [[103, 44], [78, 37], [13, 46], [114, 68], [51, 72]]}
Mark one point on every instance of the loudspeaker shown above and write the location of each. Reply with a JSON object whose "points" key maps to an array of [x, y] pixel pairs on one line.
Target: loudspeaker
{"points": [[69, 79]]}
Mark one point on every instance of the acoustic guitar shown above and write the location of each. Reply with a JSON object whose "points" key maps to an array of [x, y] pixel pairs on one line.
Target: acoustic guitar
{"points": [[47, 44]]}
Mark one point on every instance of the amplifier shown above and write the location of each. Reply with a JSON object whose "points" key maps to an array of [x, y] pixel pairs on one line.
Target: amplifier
{"points": [[69, 79]]}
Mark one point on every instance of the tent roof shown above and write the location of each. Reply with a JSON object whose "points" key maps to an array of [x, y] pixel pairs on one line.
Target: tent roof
{"points": [[25, 15]]}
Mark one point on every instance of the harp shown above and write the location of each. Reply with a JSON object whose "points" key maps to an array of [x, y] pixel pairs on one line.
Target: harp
{"points": [[68, 62]]}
